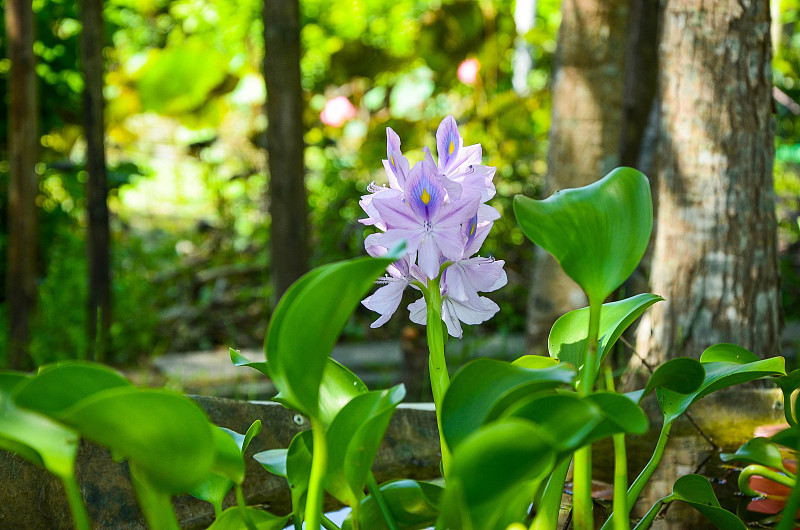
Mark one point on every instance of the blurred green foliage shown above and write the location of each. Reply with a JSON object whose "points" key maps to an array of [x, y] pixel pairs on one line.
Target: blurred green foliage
{"points": [[185, 143]]}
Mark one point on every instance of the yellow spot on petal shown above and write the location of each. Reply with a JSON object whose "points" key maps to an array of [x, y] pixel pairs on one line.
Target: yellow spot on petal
{"points": [[452, 148], [425, 197], [391, 159], [472, 229]]}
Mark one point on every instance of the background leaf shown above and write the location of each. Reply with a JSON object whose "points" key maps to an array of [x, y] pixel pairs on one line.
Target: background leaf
{"points": [[413, 504]]}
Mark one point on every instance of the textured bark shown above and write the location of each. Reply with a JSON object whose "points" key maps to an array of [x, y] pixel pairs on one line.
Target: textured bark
{"points": [[584, 135], [715, 256], [22, 212], [287, 194], [98, 240]]}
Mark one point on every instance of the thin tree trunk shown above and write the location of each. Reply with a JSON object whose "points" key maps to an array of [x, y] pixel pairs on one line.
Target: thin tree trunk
{"points": [[584, 135], [98, 239], [23, 148], [715, 257], [287, 194]]}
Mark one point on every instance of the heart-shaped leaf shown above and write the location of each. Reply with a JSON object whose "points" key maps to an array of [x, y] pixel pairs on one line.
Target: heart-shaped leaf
{"points": [[682, 375], [696, 491], [307, 322], [567, 340], [59, 386], [353, 438], [598, 233], [232, 519], [165, 435], [484, 387], [727, 369], [494, 474], [413, 504], [761, 451]]}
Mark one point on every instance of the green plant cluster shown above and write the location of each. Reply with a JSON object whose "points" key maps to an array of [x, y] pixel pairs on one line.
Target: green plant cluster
{"points": [[509, 430]]}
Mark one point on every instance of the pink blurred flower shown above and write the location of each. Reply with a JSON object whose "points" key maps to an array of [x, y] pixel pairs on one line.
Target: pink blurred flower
{"points": [[337, 111], [468, 71]]}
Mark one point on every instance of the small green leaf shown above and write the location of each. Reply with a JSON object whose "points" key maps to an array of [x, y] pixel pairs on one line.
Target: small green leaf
{"points": [[535, 362], [240, 360], [598, 233], [696, 491], [620, 415], [567, 340], [59, 386], [483, 387], [413, 504], [231, 519], [273, 460], [729, 353], [306, 324], [757, 451], [167, 436], [494, 474], [227, 469], [353, 438], [719, 374]]}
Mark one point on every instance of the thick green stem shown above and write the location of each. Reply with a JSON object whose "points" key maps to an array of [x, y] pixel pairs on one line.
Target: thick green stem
{"points": [[582, 475], [761, 471], [327, 524], [620, 516], [319, 463], [550, 504], [638, 485], [437, 365], [375, 491], [76, 506], [651, 514]]}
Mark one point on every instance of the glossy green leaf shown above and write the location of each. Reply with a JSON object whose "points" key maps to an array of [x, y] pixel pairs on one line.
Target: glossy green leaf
{"points": [[535, 362], [231, 519], [338, 386], [719, 375], [568, 336], [728, 353], [58, 387], [37, 438], [598, 233], [788, 438], [484, 387], [696, 491], [306, 324], [273, 460], [761, 451], [494, 474], [682, 374], [243, 440], [413, 504], [353, 439], [620, 415], [167, 436]]}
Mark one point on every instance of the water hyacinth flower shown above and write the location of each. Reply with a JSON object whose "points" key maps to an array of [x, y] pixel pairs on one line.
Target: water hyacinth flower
{"points": [[438, 208]]}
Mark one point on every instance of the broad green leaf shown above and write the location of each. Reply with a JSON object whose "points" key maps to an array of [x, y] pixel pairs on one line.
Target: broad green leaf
{"points": [[565, 417], [353, 438], [167, 436], [338, 386], [59, 386], [484, 387], [682, 374], [227, 469], [413, 504], [9, 380], [494, 474], [306, 324], [573, 422], [598, 233], [788, 438], [719, 374], [761, 451], [231, 519], [730, 353], [37, 438], [535, 361], [567, 340]]}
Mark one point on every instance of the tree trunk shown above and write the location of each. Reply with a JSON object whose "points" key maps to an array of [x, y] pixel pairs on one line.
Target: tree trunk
{"points": [[23, 142], [584, 135], [287, 194], [98, 238], [714, 259]]}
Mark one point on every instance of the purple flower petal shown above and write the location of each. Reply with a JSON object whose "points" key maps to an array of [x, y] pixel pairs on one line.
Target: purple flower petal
{"points": [[448, 143]]}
